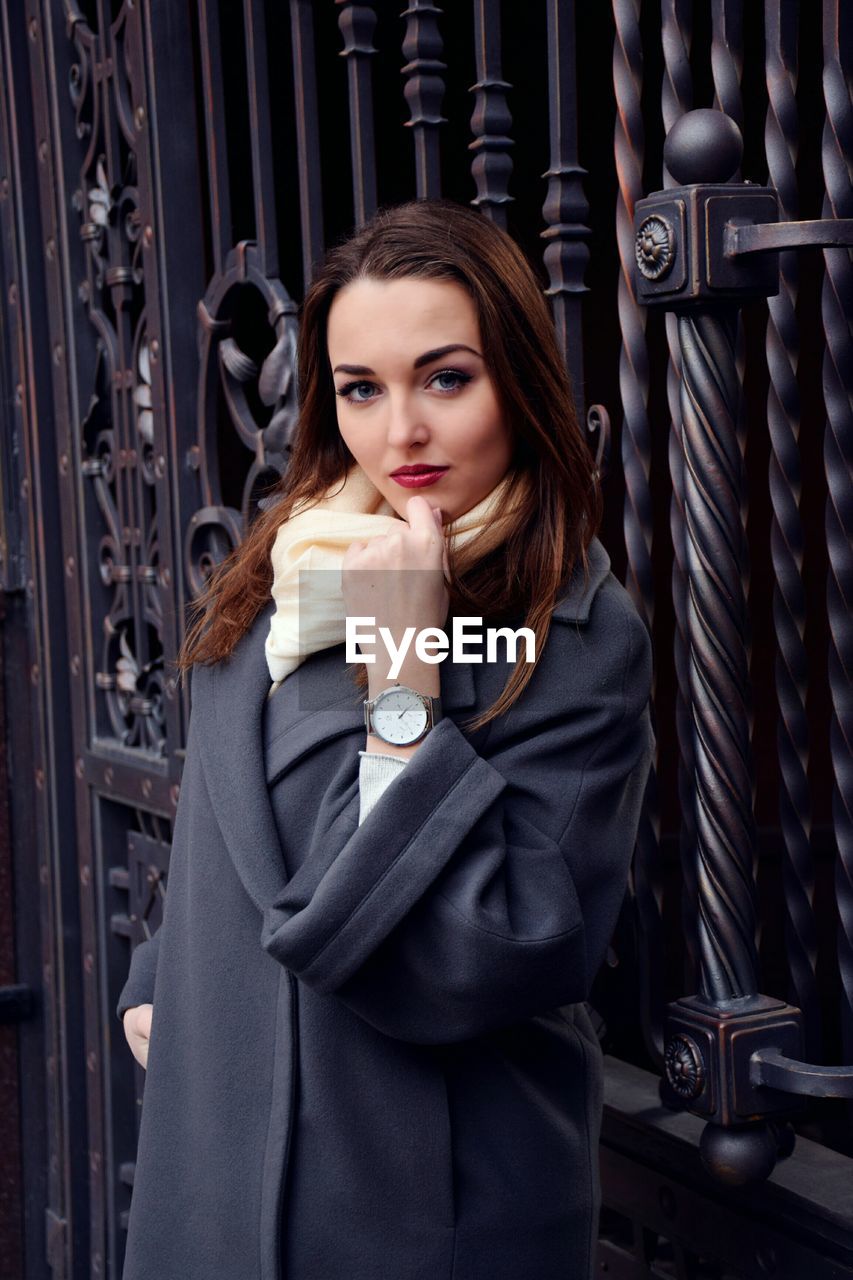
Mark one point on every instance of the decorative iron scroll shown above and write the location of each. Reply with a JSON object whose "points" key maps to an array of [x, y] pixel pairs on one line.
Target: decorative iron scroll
{"points": [[243, 313], [118, 455]]}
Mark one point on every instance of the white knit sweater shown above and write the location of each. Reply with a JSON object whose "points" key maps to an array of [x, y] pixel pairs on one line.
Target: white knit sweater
{"points": [[375, 772]]}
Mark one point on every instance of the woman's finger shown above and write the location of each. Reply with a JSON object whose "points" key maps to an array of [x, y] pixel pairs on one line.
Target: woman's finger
{"points": [[419, 514]]}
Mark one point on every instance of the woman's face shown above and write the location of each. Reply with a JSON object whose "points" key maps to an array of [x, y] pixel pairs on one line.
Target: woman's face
{"points": [[413, 391]]}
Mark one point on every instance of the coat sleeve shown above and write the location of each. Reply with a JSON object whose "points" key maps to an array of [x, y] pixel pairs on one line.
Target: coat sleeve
{"points": [[483, 889], [139, 987]]}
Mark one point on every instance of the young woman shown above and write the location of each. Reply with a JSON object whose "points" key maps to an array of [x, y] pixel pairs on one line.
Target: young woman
{"points": [[370, 1056]]}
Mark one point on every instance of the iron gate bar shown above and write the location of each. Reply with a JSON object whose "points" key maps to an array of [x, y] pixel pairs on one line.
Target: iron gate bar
{"points": [[676, 99], [637, 523], [565, 211], [68, 1216], [727, 72], [263, 188], [423, 90], [781, 135], [718, 663], [357, 23], [491, 121], [215, 133], [837, 310], [727, 59], [306, 116]]}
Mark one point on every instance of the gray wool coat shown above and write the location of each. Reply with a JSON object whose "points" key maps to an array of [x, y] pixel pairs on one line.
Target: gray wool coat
{"points": [[370, 1055]]}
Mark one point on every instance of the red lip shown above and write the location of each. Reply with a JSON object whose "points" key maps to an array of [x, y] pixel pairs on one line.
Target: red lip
{"points": [[417, 479], [420, 469]]}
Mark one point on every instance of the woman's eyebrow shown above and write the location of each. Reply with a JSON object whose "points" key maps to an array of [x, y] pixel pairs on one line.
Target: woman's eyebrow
{"points": [[426, 358]]}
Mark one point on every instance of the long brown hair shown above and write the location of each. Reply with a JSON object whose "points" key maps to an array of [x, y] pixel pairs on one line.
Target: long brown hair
{"points": [[435, 239]]}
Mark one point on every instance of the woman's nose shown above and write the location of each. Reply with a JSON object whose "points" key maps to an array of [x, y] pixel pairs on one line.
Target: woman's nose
{"points": [[406, 425]]}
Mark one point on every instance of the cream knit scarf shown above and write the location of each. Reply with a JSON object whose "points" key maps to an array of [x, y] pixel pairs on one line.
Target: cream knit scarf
{"points": [[310, 615]]}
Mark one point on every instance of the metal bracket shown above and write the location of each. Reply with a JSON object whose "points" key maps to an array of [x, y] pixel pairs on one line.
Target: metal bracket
{"points": [[775, 237], [710, 1049], [773, 1070]]}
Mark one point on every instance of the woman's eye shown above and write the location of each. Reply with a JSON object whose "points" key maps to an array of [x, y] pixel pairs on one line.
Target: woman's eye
{"points": [[346, 391], [460, 377]]}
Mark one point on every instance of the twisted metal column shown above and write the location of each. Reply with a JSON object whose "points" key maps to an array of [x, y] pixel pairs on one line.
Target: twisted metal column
{"points": [[836, 305], [786, 532], [629, 143], [676, 99], [727, 72], [732, 1054], [718, 661]]}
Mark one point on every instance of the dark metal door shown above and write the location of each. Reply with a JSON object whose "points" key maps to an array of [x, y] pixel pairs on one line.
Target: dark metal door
{"points": [[170, 173]]}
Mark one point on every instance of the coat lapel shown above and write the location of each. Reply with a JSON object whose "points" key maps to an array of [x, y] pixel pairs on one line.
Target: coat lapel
{"points": [[247, 742]]}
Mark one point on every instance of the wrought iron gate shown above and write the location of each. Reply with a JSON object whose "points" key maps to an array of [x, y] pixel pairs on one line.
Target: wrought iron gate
{"points": [[170, 172]]}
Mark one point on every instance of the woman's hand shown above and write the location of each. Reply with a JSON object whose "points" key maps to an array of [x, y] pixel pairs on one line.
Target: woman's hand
{"points": [[137, 1030], [403, 599]]}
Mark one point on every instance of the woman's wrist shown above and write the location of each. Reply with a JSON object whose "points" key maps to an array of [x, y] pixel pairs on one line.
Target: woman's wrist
{"points": [[423, 677]]}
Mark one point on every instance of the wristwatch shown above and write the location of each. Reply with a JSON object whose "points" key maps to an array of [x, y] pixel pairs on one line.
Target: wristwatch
{"points": [[401, 715]]}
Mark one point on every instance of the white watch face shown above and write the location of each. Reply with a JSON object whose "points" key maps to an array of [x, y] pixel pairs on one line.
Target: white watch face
{"points": [[399, 717]]}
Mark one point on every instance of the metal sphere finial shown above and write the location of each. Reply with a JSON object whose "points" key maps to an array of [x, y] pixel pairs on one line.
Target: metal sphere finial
{"points": [[739, 1155], [703, 146]]}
